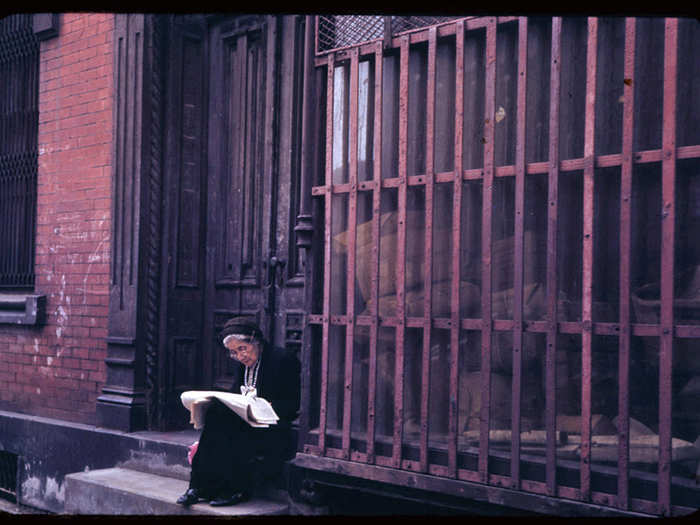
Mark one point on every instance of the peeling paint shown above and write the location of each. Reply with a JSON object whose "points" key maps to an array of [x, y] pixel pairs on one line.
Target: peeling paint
{"points": [[33, 494], [31, 489], [95, 256], [55, 490]]}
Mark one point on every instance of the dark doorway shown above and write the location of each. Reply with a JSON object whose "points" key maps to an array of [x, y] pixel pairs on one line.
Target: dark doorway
{"points": [[231, 191]]}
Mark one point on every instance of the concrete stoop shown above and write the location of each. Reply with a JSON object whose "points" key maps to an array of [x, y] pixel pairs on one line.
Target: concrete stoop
{"points": [[125, 491]]}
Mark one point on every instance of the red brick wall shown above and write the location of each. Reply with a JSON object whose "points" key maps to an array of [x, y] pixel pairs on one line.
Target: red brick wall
{"points": [[58, 370]]}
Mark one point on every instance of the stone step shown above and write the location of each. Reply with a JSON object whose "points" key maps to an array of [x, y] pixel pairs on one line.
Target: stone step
{"points": [[124, 491]]}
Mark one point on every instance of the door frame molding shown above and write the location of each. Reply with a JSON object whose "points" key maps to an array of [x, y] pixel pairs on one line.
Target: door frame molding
{"points": [[127, 396]]}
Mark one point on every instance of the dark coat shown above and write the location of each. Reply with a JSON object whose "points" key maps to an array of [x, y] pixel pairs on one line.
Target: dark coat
{"points": [[231, 453], [278, 382]]}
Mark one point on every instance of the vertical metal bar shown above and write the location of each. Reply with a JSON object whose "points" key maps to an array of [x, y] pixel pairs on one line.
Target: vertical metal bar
{"points": [[453, 414], [587, 263], [401, 253], [376, 209], [518, 253], [487, 213], [327, 257], [387, 32], [623, 423], [668, 219], [352, 229], [553, 199], [428, 268], [317, 29]]}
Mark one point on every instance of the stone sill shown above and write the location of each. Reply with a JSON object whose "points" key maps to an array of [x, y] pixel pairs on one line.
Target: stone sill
{"points": [[22, 308]]}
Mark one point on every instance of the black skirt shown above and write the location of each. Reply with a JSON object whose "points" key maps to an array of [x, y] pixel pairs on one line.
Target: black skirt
{"points": [[229, 453]]}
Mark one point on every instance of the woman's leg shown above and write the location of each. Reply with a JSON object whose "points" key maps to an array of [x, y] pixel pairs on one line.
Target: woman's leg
{"points": [[220, 466]]}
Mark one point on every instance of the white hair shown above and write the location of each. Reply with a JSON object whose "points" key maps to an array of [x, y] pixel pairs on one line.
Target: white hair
{"points": [[237, 337]]}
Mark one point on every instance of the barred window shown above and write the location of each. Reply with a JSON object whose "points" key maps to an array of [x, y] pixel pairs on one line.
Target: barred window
{"points": [[510, 277], [19, 118]]}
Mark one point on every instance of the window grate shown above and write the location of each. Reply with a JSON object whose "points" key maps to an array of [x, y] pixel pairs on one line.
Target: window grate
{"points": [[495, 301], [8, 476], [338, 31], [19, 119]]}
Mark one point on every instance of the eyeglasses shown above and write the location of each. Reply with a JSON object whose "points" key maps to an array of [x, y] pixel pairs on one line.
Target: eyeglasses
{"points": [[242, 350]]}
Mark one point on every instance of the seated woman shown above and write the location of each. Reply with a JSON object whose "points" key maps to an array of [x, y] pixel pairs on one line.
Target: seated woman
{"points": [[222, 467]]}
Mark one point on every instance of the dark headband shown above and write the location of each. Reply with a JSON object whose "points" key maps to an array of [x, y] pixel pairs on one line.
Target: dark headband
{"points": [[241, 326]]}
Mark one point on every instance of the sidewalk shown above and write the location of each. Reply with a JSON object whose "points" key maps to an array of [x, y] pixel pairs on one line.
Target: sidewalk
{"points": [[7, 507]]}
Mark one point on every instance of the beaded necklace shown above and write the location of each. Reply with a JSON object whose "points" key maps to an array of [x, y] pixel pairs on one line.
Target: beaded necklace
{"points": [[250, 378]]}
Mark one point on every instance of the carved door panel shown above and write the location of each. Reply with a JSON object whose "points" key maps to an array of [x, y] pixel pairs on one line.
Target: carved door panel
{"points": [[239, 184], [184, 202]]}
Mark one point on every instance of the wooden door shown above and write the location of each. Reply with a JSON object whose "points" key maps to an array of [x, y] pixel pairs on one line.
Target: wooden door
{"points": [[184, 205], [232, 186]]}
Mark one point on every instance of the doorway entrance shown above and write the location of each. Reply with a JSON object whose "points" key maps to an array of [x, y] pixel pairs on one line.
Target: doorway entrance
{"points": [[231, 193]]}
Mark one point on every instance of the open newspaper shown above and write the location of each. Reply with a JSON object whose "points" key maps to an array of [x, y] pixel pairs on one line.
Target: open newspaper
{"points": [[255, 411]]}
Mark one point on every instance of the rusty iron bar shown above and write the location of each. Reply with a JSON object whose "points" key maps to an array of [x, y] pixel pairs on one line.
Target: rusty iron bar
{"points": [[376, 209], [428, 268], [531, 168], [587, 249], [351, 258], [553, 199], [486, 234], [668, 219], [387, 32], [327, 257], [401, 254], [453, 413], [518, 262], [500, 325], [625, 260]]}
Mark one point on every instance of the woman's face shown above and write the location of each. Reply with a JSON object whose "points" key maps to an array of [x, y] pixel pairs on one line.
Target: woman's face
{"points": [[244, 352]]}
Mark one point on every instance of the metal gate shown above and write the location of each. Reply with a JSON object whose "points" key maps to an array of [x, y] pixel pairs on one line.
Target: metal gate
{"points": [[511, 283]]}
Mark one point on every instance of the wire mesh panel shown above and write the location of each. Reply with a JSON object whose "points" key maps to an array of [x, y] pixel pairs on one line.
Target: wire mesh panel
{"points": [[345, 30], [338, 31], [521, 307]]}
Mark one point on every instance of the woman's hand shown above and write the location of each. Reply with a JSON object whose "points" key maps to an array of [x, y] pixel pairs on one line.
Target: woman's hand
{"points": [[192, 451]]}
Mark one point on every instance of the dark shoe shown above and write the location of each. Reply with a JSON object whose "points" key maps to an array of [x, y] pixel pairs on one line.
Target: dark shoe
{"points": [[226, 501], [189, 498]]}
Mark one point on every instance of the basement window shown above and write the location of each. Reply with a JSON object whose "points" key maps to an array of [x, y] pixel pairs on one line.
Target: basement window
{"points": [[8, 476]]}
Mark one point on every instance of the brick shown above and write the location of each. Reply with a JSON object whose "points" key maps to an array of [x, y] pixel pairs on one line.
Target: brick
{"points": [[65, 358], [97, 376], [89, 364]]}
